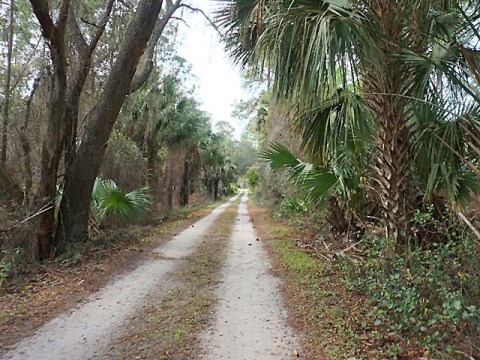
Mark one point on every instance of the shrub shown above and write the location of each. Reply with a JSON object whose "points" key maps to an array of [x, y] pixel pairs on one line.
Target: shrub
{"points": [[432, 294], [109, 201], [291, 205], [253, 178]]}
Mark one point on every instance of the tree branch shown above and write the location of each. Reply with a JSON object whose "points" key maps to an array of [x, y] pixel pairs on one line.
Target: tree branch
{"points": [[42, 12], [101, 26], [63, 18], [88, 22], [145, 65], [26, 66], [28, 106], [212, 23], [77, 37], [180, 19]]}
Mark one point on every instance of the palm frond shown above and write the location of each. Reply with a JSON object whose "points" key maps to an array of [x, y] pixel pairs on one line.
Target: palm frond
{"points": [[311, 179], [341, 123], [109, 201]]}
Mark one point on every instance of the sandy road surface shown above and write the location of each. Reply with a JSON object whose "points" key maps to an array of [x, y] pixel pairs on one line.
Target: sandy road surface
{"points": [[84, 332], [251, 320]]}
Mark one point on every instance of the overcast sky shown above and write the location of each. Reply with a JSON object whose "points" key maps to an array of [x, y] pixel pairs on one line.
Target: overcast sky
{"points": [[218, 83]]}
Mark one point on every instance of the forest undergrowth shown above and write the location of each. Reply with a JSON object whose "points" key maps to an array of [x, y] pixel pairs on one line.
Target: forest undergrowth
{"points": [[355, 296]]}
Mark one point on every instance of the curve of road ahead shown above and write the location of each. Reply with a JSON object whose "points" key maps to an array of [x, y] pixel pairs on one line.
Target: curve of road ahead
{"points": [[250, 319]]}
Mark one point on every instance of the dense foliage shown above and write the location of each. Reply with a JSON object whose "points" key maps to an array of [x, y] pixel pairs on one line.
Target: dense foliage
{"points": [[100, 127]]}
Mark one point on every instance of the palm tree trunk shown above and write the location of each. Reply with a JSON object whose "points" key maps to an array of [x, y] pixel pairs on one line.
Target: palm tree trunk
{"points": [[215, 189], [391, 172], [152, 178], [169, 189], [388, 90], [336, 216], [185, 187]]}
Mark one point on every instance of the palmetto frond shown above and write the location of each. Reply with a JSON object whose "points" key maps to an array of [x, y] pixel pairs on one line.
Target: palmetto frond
{"points": [[338, 125], [109, 201], [312, 46], [311, 179], [441, 135]]}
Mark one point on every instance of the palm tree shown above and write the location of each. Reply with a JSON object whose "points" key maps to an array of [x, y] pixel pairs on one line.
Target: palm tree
{"points": [[152, 110], [182, 137], [340, 188], [217, 164], [343, 64]]}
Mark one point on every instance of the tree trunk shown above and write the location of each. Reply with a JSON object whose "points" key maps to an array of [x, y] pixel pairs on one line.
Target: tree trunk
{"points": [[25, 143], [75, 204], [152, 178], [64, 103], [52, 146], [391, 163], [52, 149], [8, 75], [336, 216], [79, 77], [215, 189], [392, 175], [389, 89], [169, 185], [185, 187]]}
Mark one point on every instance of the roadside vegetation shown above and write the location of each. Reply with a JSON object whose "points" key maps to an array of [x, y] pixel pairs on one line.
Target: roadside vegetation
{"points": [[368, 133], [365, 140], [95, 140]]}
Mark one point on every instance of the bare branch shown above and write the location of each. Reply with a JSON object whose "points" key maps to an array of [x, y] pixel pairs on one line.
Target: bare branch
{"points": [[212, 23], [180, 19], [101, 26], [36, 82], [88, 22], [470, 225], [86, 50], [26, 66], [43, 209]]}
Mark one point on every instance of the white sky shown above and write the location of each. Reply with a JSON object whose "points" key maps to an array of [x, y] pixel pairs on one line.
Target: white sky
{"points": [[218, 83]]}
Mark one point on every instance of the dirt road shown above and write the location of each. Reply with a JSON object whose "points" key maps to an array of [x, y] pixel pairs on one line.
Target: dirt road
{"points": [[250, 319]]}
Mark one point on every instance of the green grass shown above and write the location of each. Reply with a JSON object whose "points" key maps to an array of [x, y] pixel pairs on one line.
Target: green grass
{"points": [[295, 260], [318, 297]]}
